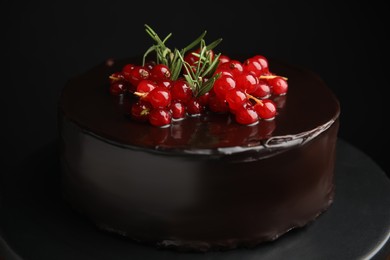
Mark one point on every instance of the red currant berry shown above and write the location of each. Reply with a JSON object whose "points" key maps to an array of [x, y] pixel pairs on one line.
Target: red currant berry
{"points": [[262, 90], [159, 97], [160, 72], [160, 117], [278, 85], [178, 110], [118, 88], [181, 91], [247, 82], [222, 85], [194, 108], [126, 70], [266, 110], [263, 62], [254, 66], [140, 111], [137, 74], [223, 59], [145, 86], [233, 66], [236, 99], [246, 116]]}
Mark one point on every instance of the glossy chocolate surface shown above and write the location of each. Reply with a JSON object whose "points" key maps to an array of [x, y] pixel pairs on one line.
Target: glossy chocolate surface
{"points": [[203, 183]]}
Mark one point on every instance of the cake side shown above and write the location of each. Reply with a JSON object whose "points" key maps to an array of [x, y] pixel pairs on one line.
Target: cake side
{"points": [[196, 202]]}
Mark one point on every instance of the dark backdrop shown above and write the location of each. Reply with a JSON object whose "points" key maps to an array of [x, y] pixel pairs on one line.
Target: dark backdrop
{"points": [[48, 42]]}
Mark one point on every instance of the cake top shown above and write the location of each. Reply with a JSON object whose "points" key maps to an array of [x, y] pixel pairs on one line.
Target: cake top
{"points": [[308, 109]]}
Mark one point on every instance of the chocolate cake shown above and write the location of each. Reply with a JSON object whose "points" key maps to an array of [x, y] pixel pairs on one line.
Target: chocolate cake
{"points": [[205, 182]]}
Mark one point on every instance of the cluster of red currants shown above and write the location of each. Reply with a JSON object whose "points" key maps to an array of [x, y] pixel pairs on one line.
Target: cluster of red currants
{"points": [[242, 89]]}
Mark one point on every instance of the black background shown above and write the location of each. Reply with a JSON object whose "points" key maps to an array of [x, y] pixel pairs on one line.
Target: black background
{"points": [[49, 42]]}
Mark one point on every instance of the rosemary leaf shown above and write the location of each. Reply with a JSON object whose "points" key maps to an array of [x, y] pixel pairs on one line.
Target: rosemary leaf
{"points": [[167, 37], [153, 34], [152, 48], [176, 65], [207, 87], [212, 66], [194, 43], [214, 44]]}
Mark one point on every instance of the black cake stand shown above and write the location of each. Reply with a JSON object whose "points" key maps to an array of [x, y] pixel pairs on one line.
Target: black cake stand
{"points": [[35, 222]]}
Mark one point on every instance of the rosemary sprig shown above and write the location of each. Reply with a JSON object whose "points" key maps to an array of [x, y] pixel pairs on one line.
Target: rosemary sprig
{"points": [[204, 69], [205, 66]]}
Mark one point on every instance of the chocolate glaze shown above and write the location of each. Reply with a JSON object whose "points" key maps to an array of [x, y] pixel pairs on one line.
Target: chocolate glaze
{"points": [[202, 183]]}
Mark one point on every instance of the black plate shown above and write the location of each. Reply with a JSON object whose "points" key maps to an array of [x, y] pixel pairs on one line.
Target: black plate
{"points": [[37, 224]]}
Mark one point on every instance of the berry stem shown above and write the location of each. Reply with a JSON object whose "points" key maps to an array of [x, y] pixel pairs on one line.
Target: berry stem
{"points": [[113, 78], [271, 77], [140, 94], [258, 101]]}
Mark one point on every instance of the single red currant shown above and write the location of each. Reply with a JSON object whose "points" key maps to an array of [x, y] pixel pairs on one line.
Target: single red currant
{"points": [[278, 85], [126, 70], [254, 66], [194, 108], [137, 74], [159, 97], [160, 72], [247, 82], [140, 111], [181, 91], [160, 117], [246, 116], [263, 62], [178, 110], [266, 109], [223, 84], [262, 90]]}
